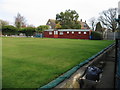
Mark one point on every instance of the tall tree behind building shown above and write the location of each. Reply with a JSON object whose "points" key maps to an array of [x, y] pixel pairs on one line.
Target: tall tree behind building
{"points": [[107, 18], [93, 23], [68, 19], [19, 21], [99, 27]]}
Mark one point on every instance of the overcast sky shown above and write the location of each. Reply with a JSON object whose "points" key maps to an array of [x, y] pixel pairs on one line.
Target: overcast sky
{"points": [[37, 12]]}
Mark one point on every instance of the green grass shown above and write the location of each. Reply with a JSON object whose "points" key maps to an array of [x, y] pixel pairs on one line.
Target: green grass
{"points": [[33, 62]]}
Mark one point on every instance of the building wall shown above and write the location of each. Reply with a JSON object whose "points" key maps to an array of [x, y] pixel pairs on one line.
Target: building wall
{"points": [[51, 23], [69, 35], [84, 25], [46, 34], [74, 36]]}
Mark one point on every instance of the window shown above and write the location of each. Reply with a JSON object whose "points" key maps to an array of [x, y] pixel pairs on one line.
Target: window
{"points": [[61, 33], [48, 22], [85, 25], [79, 32], [50, 27], [67, 32], [50, 33], [72, 32], [85, 33], [55, 32]]}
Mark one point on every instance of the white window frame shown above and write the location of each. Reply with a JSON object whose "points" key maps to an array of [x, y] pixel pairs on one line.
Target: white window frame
{"points": [[49, 23], [85, 25], [61, 33], [55, 32], [85, 32], [67, 32], [50, 33], [50, 27], [72, 32], [79, 32]]}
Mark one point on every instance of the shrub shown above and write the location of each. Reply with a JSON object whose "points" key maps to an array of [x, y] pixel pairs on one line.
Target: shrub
{"points": [[9, 30], [96, 36], [29, 31], [41, 28]]}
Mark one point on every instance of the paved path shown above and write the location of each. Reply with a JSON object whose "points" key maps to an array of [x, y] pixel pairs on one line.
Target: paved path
{"points": [[107, 79]]}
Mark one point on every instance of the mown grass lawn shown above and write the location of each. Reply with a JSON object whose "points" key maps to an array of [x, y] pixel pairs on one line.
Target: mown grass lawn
{"points": [[33, 62]]}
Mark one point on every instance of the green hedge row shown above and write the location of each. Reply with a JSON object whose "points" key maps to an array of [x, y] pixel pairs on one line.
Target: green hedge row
{"points": [[11, 30], [96, 36]]}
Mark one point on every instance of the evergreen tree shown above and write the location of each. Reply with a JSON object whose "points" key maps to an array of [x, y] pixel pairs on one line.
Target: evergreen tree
{"points": [[68, 19], [99, 27]]}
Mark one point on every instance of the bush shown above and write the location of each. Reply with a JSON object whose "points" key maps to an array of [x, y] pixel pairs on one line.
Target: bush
{"points": [[42, 28], [29, 31], [96, 36], [9, 30]]}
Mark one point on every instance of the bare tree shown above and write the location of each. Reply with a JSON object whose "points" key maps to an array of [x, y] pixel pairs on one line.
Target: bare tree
{"points": [[93, 23], [19, 21], [108, 18]]}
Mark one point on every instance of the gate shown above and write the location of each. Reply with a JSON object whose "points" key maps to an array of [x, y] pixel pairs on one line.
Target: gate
{"points": [[117, 79]]}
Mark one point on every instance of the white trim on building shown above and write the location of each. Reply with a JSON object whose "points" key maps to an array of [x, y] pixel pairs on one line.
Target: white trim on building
{"points": [[68, 30]]}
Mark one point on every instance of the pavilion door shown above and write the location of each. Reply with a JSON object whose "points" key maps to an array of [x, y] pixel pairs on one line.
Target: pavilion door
{"points": [[55, 34]]}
